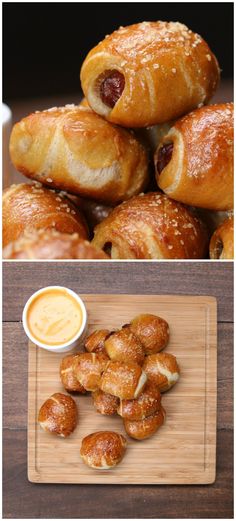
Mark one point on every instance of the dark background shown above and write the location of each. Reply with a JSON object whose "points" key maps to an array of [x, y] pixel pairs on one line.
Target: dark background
{"points": [[44, 44]]}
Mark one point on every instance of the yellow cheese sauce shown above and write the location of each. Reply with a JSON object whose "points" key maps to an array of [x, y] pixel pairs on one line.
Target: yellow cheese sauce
{"points": [[54, 317]]}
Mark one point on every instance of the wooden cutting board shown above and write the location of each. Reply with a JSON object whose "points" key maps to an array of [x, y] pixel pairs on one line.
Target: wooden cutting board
{"points": [[183, 451]]}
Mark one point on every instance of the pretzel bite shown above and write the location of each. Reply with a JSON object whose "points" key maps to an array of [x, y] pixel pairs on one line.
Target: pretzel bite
{"points": [[125, 380], [148, 403], [162, 369], [124, 346], [68, 378], [152, 331], [142, 429], [58, 415], [88, 368], [105, 403], [94, 343], [103, 450]]}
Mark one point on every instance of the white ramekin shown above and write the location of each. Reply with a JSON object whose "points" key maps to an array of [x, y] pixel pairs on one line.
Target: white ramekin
{"points": [[75, 341]]}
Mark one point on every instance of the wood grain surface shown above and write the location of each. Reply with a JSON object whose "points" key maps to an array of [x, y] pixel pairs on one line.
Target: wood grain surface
{"points": [[26, 500]]}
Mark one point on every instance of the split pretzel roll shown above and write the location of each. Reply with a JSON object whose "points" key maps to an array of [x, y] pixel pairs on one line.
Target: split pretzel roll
{"points": [[67, 375], [28, 208], [94, 343], [152, 331], [162, 370], [148, 403], [222, 241], [149, 73], [194, 161], [125, 380], [103, 450], [73, 149], [142, 429], [105, 403], [58, 415], [50, 244], [151, 226], [88, 368], [124, 346]]}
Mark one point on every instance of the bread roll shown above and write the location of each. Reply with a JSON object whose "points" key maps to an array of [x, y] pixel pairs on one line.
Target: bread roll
{"points": [[103, 450], [124, 346], [194, 161], [222, 241], [152, 331], [105, 403], [162, 370], [50, 244], [151, 226], [149, 73], [58, 415], [148, 403], [88, 368], [30, 207], [125, 380], [78, 151], [94, 343], [67, 375], [142, 429]]}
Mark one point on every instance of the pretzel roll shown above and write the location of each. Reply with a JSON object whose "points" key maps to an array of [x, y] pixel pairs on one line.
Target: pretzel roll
{"points": [[94, 343], [142, 429], [152, 331], [103, 450], [67, 375], [50, 244], [149, 73], [148, 403], [88, 368], [124, 346], [76, 150], [58, 415], [194, 162], [125, 380], [30, 207], [151, 226], [222, 241], [105, 403], [162, 370]]}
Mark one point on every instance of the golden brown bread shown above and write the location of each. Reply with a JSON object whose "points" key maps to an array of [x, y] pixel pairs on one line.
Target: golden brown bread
{"points": [[58, 415], [88, 368], [152, 331], [125, 380], [194, 161], [105, 403], [28, 208], [124, 346], [149, 73], [148, 403], [50, 244], [95, 341], [142, 429], [151, 226], [103, 450], [73, 149], [162, 370], [222, 241], [67, 375]]}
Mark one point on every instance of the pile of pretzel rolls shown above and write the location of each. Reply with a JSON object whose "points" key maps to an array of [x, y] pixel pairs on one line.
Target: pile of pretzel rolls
{"points": [[143, 163], [126, 372]]}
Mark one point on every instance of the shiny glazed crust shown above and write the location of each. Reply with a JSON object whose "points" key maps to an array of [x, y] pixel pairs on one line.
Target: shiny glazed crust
{"points": [[152, 331], [162, 370], [74, 149], [88, 368], [222, 241], [58, 415], [95, 342], [124, 380], [124, 346], [148, 403], [200, 172], [50, 244], [168, 71], [31, 207], [152, 226], [103, 450], [105, 403], [142, 429], [67, 375]]}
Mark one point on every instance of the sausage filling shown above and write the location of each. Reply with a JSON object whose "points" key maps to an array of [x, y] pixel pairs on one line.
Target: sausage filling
{"points": [[164, 156], [112, 87], [218, 248]]}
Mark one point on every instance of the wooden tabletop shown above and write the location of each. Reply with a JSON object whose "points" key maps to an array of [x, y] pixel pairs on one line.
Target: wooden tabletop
{"points": [[22, 499]]}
